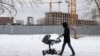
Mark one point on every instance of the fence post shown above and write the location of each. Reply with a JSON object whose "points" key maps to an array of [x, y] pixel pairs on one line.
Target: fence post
{"points": [[11, 29]]}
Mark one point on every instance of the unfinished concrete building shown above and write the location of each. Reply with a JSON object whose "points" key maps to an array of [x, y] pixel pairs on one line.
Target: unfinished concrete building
{"points": [[56, 18]]}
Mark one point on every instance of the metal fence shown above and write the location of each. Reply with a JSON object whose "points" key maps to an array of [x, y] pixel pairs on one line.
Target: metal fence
{"points": [[18, 29]]}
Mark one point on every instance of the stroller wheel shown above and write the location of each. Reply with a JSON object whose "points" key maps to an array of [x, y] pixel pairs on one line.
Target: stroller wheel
{"points": [[43, 52]]}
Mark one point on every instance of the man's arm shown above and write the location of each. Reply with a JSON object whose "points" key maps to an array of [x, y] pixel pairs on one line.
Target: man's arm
{"points": [[60, 36]]}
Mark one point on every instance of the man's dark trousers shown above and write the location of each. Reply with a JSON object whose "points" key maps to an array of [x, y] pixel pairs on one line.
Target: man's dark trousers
{"points": [[69, 45]]}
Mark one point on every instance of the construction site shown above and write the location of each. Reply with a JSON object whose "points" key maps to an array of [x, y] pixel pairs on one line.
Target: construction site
{"points": [[39, 28], [84, 19], [71, 16]]}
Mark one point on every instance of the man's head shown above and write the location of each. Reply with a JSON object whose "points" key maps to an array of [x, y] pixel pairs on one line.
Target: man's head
{"points": [[65, 24]]}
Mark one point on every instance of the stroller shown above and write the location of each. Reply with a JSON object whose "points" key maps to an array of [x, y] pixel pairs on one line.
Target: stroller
{"points": [[49, 42]]}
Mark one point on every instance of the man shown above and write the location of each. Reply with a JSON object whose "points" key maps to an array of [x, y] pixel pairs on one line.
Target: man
{"points": [[66, 39]]}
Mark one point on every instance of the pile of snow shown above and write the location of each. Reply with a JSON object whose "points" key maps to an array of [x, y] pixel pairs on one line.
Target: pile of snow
{"points": [[31, 45]]}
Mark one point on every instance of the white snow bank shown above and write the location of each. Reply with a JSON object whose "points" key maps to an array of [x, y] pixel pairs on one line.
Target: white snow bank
{"points": [[31, 45]]}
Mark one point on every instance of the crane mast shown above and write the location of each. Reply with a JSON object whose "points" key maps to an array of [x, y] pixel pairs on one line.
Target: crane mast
{"points": [[50, 4], [72, 12]]}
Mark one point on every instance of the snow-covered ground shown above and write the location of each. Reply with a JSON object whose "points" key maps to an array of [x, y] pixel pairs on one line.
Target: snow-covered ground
{"points": [[31, 45]]}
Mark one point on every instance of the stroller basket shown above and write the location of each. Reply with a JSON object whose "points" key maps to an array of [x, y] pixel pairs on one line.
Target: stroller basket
{"points": [[49, 42]]}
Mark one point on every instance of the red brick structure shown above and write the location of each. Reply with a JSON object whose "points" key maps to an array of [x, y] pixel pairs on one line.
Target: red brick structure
{"points": [[6, 20]]}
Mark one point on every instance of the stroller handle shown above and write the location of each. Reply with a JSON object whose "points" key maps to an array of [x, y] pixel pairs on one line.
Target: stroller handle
{"points": [[58, 40]]}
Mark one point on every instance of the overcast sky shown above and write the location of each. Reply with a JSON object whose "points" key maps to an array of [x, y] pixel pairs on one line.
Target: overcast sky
{"points": [[38, 10]]}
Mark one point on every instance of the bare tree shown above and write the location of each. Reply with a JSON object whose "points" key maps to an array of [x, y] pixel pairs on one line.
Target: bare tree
{"points": [[10, 6], [88, 7], [4, 7], [98, 6]]}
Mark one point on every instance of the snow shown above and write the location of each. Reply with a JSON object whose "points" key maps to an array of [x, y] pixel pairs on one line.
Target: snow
{"points": [[31, 45]]}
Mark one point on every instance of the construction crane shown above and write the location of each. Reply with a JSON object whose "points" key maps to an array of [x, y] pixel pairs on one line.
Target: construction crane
{"points": [[50, 3], [72, 11], [41, 2], [72, 14]]}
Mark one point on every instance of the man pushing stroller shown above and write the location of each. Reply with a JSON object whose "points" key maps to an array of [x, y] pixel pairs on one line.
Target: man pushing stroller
{"points": [[66, 40]]}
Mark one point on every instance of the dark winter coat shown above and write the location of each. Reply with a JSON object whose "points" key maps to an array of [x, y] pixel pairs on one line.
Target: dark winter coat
{"points": [[66, 33]]}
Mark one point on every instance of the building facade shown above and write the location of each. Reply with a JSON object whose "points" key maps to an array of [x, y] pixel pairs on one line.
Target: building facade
{"points": [[86, 23], [30, 20], [6, 20], [21, 22], [56, 18]]}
